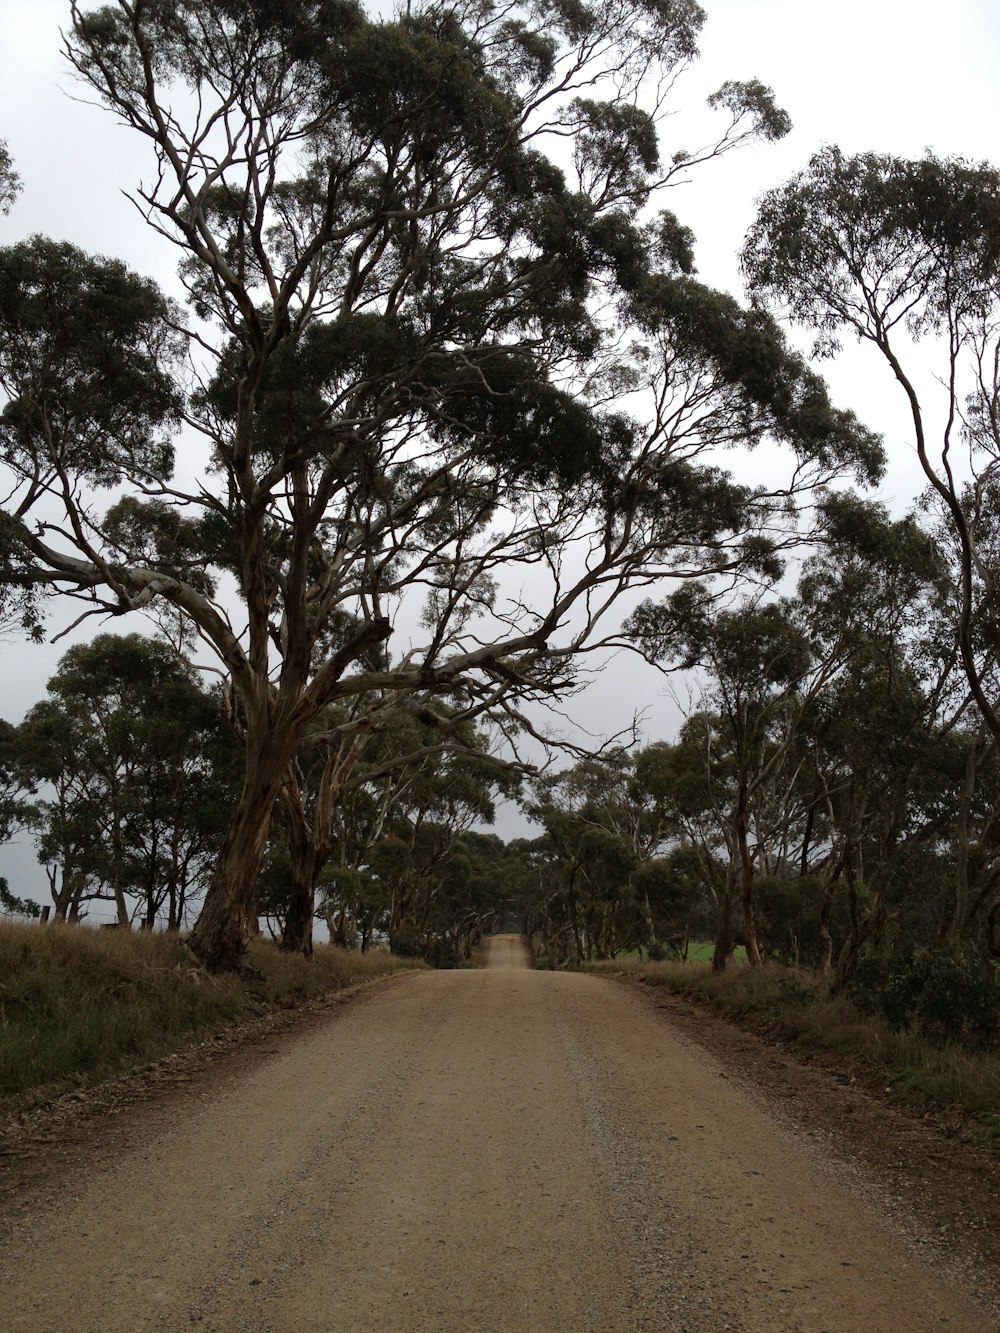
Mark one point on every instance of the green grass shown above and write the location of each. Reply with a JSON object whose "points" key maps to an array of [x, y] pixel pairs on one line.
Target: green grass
{"points": [[698, 952], [701, 952], [78, 1004], [795, 1005]]}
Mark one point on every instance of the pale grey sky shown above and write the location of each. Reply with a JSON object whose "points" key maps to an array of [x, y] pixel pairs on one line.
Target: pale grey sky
{"points": [[889, 75]]}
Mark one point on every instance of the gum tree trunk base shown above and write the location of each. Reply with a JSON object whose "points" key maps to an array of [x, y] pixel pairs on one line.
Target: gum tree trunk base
{"points": [[220, 942], [297, 936], [220, 934]]}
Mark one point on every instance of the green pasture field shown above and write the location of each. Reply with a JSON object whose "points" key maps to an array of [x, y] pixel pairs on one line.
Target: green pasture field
{"points": [[702, 951]]}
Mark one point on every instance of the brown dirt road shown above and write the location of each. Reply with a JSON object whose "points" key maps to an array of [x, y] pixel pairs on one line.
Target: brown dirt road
{"points": [[499, 1149]]}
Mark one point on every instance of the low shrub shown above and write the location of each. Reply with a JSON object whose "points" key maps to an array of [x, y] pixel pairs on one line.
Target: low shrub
{"points": [[407, 943], [945, 997]]}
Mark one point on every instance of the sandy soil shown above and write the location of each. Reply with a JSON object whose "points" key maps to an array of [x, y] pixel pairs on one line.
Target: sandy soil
{"points": [[500, 1149]]}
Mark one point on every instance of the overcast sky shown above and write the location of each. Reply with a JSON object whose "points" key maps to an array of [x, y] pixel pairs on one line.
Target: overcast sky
{"points": [[895, 76]]}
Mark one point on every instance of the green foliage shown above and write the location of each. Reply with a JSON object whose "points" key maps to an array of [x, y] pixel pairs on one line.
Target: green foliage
{"points": [[752, 98], [92, 391], [16, 788], [788, 917], [407, 942], [872, 577], [536, 430], [918, 235], [772, 388], [156, 534], [944, 996], [677, 888], [750, 651], [11, 905], [87, 355], [10, 183], [21, 592]]}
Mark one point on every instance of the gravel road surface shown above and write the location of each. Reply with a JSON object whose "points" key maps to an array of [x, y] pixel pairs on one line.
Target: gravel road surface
{"points": [[499, 1149]]}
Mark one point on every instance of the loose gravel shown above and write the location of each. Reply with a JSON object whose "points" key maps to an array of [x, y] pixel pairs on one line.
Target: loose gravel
{"points": [[500, 1149]]}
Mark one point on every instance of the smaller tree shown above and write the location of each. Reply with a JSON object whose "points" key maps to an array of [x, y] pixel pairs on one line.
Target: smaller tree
{"points": [[896, 251], [16, 788], [762, 675], [588, 825], [142, 771]]}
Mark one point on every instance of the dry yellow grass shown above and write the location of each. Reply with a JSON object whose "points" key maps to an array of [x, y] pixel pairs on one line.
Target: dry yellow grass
{"points": [[799, 1006], [78, 1003]]}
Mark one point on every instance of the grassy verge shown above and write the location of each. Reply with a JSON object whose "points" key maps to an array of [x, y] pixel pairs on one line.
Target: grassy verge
{"points": [[77, 1004], [794, 1006]]}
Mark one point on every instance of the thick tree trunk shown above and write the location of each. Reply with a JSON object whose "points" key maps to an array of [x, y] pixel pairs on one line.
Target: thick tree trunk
{"points": [[960, 907], [297, 936], [826, 902], [723, 936], [220, 933]]}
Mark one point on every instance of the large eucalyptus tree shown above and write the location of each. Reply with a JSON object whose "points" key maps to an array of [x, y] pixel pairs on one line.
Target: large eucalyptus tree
{"points": [[441, 348]]}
